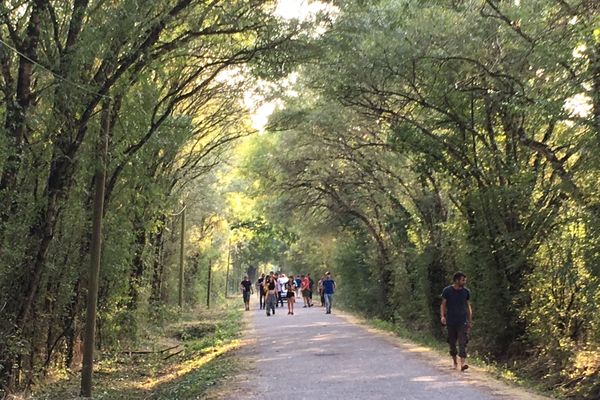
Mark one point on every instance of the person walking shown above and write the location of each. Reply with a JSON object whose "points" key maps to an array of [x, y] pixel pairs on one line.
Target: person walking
{"points": [[290, 287], [456, 314], [279, 289], [305, 291], [298, 283], [320, 289], [271, 294], [311, 285], [328, 291], [261, 291], [246, 288]]}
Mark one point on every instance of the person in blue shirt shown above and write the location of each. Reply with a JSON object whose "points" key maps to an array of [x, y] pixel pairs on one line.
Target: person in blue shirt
{"points": [[457, 315], [328, 290], [298, 284]]}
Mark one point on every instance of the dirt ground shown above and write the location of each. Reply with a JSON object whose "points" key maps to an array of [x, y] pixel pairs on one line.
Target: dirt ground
{"points": [[336, 356]]}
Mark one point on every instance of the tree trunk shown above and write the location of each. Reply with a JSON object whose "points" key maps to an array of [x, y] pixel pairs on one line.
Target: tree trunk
{"points": [[16, 112], [135, 279], [158, 265]]}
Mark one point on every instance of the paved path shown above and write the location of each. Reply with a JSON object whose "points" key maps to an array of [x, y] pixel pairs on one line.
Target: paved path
{"points": [[312, 355]]}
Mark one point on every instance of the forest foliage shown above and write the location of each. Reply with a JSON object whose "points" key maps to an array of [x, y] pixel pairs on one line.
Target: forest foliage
{"points": [[426, 137], [412, 138], [171, 74]]}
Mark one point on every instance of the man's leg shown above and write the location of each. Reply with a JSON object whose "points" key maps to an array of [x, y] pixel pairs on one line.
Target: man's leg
{"points": [[452, 338], [328, 302], [462, 347]]}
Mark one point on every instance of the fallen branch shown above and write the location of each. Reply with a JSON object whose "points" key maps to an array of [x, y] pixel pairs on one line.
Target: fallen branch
{"points": [[173, 354], [130, 352]]}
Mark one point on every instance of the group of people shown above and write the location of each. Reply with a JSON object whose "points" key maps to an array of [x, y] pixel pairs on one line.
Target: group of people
{"points": [[456, 313], [272, 287]]}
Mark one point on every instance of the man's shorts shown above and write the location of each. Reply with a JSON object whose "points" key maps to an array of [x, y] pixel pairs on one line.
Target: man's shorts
{"points": [[246, 296], [305, 293]]}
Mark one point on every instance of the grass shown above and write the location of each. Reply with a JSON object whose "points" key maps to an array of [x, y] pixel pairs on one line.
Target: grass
{"points": [[203, 357]]}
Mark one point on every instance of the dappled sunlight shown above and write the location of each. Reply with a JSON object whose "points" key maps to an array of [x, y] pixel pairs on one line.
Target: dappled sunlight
{"points": [[188, 366]]}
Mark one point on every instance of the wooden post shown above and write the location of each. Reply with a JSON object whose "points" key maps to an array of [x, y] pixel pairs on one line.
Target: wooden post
{"points": [[92, 293], [181, 256], [228, 265], [208, 284]]}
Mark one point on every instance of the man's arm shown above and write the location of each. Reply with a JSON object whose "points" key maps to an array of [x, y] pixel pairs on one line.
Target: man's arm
{"points": [[469, 314], [443, 312]]}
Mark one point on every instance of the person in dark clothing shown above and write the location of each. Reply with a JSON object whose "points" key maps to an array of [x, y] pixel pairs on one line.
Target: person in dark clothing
{"points": [[246, 288], [328, 291], [261, 291], [457, 316], [290, 287], [311, 285], [271, 294]]}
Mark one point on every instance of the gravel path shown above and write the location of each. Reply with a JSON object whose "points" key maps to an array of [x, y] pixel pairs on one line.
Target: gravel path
{"points": [[312, 355]]}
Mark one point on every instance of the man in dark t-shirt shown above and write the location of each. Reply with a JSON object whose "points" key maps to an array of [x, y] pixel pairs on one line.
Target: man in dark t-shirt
{"points": [[457, 315], [246, 288], [261, 291]]}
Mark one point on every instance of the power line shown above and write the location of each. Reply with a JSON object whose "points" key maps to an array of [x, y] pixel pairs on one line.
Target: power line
{"points": [[57, 76]]}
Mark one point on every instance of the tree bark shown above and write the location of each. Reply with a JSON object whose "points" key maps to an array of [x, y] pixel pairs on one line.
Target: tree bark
{"points": [[16, 111]]}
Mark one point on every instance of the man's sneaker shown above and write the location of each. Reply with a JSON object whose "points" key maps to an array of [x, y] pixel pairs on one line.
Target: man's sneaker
{"points": [[268, 315]]}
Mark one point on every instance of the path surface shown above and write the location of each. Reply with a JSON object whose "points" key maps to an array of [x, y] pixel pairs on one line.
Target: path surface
{"points": [[312, 355]]}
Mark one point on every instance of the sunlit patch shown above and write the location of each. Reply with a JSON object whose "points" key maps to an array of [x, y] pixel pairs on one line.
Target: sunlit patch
{"points": [[424, 379], [188, 366]]}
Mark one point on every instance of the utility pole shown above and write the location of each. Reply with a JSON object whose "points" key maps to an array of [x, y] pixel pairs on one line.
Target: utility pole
{"points": [[181, 255], [228, 265], [92, 293], [208, 284]]}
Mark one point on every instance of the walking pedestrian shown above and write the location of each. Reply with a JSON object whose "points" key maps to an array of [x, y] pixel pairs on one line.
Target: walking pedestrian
{"points": [[305, 291], [328, 291], [298, 283], [246, 288], [311, 284], [457, 316], [261, 292], [290, 287], [270, 287], [278, 289], [320, 290]]}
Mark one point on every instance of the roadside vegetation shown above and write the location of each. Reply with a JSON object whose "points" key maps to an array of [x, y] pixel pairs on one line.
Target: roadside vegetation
{"points": [[182, 360], [409, 139]]}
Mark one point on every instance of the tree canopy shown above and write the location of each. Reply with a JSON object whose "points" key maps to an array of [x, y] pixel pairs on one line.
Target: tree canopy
{"points": [[410, 139]]}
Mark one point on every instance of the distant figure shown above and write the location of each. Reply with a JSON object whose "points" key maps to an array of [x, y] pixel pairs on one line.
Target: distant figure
{"points": [[328, 291], [261, 291], [278, 289], [298, 283], [305, 291], [290, 287], [457, 315], [311, 284], [271, 294], [246, 288], [320, 290]]}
